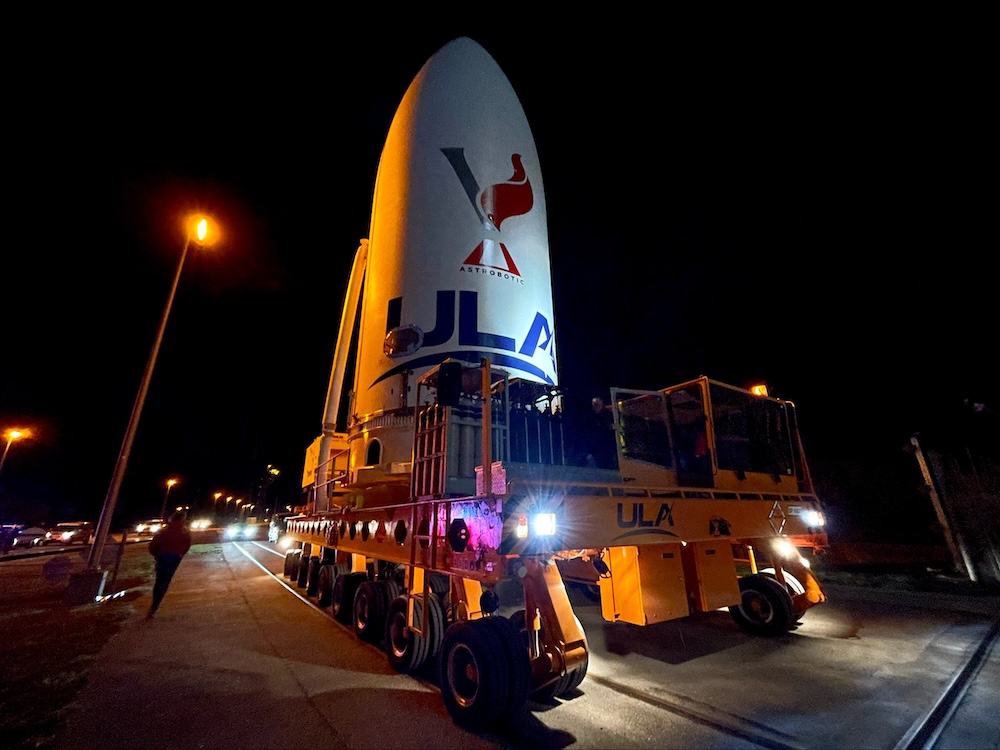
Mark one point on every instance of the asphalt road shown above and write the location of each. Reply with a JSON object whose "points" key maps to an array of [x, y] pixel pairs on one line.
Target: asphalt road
{"points": [[863, 670]]}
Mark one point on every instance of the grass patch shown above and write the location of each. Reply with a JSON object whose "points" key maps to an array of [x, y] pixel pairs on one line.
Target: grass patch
{"points": [[47, 647]]}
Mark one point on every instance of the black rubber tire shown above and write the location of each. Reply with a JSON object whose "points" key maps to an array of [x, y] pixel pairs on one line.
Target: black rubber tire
{"points": [[302, 574], [344, 589], [407, 651], [369, 611], [577, 676], [436, 625], [440, 584], [516, 656], [473, 674], [293, 568], [289, 559], [793, 584], [324, 594], [765, 608], [312, 576], [393, 589]]}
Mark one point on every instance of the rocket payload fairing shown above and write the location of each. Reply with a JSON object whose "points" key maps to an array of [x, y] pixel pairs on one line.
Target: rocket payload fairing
{"points": [[458, 244], [457, 256]]}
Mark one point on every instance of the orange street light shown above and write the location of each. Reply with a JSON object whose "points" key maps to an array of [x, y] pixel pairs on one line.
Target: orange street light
{"points": [[163, 510], [12, 435]]}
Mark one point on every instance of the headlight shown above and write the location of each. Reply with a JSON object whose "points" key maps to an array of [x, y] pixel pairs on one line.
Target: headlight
{"points": [[814, 519], [785, 548], [544, 524]]}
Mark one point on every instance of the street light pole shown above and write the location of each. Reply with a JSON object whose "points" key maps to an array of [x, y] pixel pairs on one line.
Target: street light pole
{"points": [[96, 550], [163, 510]]}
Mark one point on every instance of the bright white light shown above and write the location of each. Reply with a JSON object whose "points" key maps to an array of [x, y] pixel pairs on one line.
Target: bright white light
{"points": [[285, 542], [814, 519], [545, 524], [785, 548]]}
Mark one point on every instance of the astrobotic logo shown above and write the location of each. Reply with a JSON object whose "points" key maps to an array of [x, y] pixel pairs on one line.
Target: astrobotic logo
{"points": [[493, 206]]}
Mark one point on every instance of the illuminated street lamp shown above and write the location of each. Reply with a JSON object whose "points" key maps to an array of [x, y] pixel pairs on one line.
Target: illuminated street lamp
{"points": [[202, 231], [12, 435], [215, 505], [163, 510]]}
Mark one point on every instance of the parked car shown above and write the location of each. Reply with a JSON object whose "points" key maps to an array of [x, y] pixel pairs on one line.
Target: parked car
{"points": [[70, 532], [25, 536]]}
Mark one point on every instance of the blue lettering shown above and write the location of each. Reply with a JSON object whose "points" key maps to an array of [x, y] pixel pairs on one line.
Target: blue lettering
{"points": [[539, 327], [539, 334], [468, 326], [622, 523]]}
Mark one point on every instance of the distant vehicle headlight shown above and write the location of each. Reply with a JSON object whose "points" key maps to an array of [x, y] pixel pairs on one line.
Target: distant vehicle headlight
{"points": [[201, 523], [234, 532]]}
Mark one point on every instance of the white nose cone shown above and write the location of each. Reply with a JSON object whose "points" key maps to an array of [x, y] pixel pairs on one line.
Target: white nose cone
{"points": [[458, 259]]}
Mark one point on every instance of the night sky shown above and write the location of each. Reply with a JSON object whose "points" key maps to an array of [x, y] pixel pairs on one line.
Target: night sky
{"points": [[801, 201]]}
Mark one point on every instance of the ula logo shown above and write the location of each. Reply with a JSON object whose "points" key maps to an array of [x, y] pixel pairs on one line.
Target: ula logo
{"points": [[640, 525], [493, 206]]}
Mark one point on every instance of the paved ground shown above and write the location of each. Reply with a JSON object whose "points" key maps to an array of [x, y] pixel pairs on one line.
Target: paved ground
{"points": [[228, 664]]}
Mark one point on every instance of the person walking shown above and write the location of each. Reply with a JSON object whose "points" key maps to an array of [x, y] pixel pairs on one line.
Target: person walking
{"points": [[168, 547]]}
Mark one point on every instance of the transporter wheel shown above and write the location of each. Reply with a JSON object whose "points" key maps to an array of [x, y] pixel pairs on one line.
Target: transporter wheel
{"points": [[515, 655], [327, 573], [344, 589], [293, 568], [393, 589], [436, 625], [793, 585], [312, 576], [765, 608], [474, 677], [562, 684], [302, 574], [440, 584], [289, 560], [407, 650], [369, 611]]}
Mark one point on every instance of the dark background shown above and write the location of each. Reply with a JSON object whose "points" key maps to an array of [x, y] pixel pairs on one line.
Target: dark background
{"points": [[798, 200]]}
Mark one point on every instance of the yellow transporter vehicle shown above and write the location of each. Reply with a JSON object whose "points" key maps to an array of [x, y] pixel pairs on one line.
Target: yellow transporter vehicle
{"points": [[709, 505]]}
